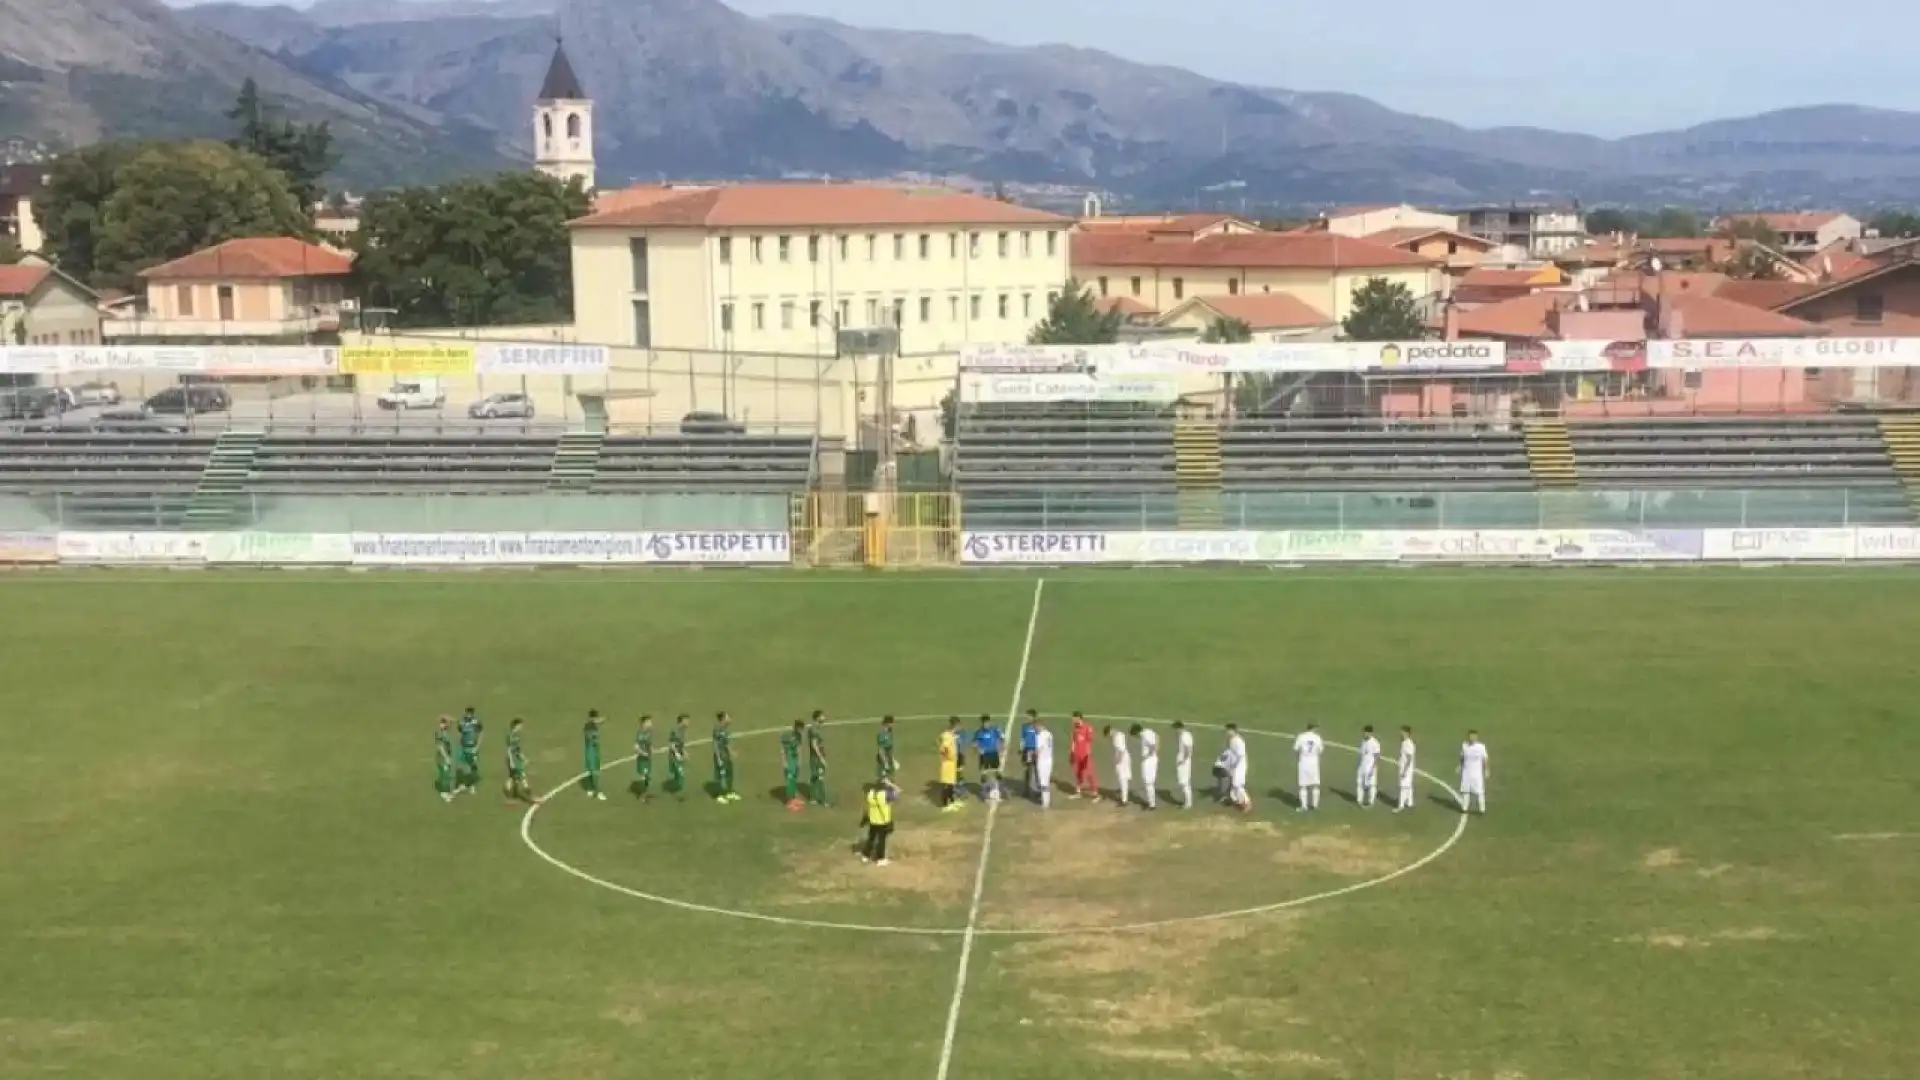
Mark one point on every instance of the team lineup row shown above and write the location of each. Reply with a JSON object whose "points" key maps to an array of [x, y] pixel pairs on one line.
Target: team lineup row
{"points": [[457, 761]]}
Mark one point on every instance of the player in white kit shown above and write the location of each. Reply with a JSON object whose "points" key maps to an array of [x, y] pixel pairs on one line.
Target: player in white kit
{"points": [[1308, 746], [1474, 770], [1183, 764], [1122, 764], [1043, 761], [1237, 770], [1366, 781], [1149, 740], [1406, 769]]}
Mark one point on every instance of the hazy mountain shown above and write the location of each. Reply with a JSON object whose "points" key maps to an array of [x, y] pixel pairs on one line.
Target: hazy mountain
{"points": [[693, 88]]}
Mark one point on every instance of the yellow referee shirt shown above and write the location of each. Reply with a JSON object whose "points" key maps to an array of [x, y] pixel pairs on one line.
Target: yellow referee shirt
{"points": [[949, 758]]}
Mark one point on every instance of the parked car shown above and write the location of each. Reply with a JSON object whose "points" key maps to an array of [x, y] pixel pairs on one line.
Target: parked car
{"points": [[29, 403], [413, 394], [95, 393], [187, 400], [135, 420], [710, 423], [499, 406]]}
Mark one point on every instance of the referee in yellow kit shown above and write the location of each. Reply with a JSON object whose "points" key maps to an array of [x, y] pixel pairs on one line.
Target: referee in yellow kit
{"points": [[878, 818]]}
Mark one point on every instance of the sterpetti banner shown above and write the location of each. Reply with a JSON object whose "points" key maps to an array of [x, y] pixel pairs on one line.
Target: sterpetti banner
{"points": [[1490, 546], [570, 548]]}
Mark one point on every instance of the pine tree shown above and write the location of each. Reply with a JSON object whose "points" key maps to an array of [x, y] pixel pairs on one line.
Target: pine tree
{"points": [[1383, 311], [1073, 318]]}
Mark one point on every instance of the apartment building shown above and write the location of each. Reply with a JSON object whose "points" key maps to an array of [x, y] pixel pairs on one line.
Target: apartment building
{"points": [[1541, 232], [779, 268], [1800, 233]]}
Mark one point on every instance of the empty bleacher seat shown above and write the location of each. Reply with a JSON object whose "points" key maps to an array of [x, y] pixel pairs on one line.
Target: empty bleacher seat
{"points": [[1323, 455], [1065, 466], [706, 462]]}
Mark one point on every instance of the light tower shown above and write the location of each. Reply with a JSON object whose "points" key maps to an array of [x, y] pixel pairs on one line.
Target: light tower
{"points": [[563, 123]]}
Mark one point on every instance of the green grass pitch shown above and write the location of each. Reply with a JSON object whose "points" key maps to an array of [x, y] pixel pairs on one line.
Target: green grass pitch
{"points": [[221, 854]]}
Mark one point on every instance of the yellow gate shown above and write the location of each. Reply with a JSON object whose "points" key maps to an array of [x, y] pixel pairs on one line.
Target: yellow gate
{"points": [[858, 528]]}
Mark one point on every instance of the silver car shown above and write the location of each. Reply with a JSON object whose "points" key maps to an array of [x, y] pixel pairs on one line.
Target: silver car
{"points": [[502, 406]]}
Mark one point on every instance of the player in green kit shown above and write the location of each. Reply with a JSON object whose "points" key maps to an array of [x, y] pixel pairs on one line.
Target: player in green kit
{"points": [[677, 756], [817, 758], [643, 759], [883, 763], [790, 764], [517, 764], [723, 759], [443, 760], [466, 773], [590, 756]]}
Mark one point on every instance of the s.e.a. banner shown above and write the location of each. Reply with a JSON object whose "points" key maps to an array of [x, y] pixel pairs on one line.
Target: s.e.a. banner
{"points": [[570, 549]]}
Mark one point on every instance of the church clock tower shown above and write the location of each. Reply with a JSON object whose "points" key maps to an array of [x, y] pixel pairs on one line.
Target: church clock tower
{"points": [[563, 124]]}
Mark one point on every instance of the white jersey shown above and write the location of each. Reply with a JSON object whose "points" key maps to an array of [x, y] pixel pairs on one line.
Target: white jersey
{"points": [[1121, 754], [1149, 748], [1308, 747], [1369, 759], [1183, 753], [1237, 746], [1407, 759], [1043, 749], [1473, 767]]}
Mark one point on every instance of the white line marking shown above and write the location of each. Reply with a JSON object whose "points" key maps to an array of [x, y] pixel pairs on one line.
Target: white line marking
{"points": [[526, 837], [986, 848]]}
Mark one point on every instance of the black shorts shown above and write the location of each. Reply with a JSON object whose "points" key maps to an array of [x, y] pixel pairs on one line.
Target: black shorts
{"points": [[989, 762]]}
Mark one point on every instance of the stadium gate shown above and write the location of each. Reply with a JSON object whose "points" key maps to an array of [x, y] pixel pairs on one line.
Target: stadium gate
{"points": [[876, 529]]}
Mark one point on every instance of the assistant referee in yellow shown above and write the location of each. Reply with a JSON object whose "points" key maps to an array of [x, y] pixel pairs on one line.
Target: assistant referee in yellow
{"points": [[881, 795]]}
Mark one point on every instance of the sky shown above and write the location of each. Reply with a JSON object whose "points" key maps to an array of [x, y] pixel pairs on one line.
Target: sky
{"points": [[1611, 68]]}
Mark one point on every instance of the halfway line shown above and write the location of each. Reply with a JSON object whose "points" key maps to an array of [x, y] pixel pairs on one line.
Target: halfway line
{"points": [[986, 849]]}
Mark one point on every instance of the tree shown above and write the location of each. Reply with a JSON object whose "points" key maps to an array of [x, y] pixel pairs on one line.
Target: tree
{"points": [[1607, 221], [303, 152], [1383, 310], [9, 250], [1751, 264], [1752, 229], [172, 199], [79, 183], [1227, 331], [479, 252], [1073, 318], [1897, 223]]}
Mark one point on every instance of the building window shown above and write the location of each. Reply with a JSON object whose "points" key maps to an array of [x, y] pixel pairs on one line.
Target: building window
{"points": [[846, 313], [813, 313], [726, 318], [1103, 286], [973, 306], [224, 296], [973, 245], [759, 316], [873, 247], [637, 255], [1026, 244], [754, 244], [953, 309], [643, 324], [726, 250], [926, 309], [1006, 306], [1136, 286], [1179, 288], [1050, 242], [1233, 286], [1453, 247], [183, 301], [813, 249], [786, 248], [873, 312], [843, 248], [1026, 305], [1869, 307], [786, 314], [899, 311], [926, 246], [953, 245], [1004, 245], [899, 247]]}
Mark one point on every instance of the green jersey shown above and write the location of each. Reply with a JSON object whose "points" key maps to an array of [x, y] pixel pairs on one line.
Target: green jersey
{"points": [[790, 749], [469, 732], [516, 757], [590, 736], [723, 745], [816, 743], [677, 742], [643, 743], [442, 747], [884, 741]]}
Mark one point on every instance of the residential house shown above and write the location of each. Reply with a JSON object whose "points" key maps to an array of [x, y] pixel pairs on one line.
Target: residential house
{"points": [[39, 305], [1358, 221], [1492, 284], [1320, 269], [1271, 317], [1800, 232], [1455, 251], [259, 290], [19, 183], [1542, 232], [1189, 225], [779, 268], [1881, 301]]}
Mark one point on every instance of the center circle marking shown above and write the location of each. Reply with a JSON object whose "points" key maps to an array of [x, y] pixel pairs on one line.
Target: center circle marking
{"points": [[526, 837]]}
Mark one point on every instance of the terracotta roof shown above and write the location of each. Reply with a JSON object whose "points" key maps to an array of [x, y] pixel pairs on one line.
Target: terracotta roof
{"points": [[254, 258], [1169, 223], [1702, 314], [1264, 311], [1767, 295], [1499, 277], [799, 205], [1413, 233], [1796, 221], [1707, 316], [1306, 251], [1125, 305], [1520, 317], [22, 279]]}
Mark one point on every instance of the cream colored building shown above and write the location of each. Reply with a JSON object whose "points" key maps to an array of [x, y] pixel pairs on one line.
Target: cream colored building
{"points": [[1367, 220], [777, 268], [39, 305], [1320, 269], [261, 289]]}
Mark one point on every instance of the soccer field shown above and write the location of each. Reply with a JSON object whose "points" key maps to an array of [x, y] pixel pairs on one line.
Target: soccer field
{"points": [[223, 855]]}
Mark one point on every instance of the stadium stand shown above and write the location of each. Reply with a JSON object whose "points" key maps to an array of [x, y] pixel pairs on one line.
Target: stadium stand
{"points": [[716, 462], [1065, 466], [316, 464], [128, 481], [1308, 455]]}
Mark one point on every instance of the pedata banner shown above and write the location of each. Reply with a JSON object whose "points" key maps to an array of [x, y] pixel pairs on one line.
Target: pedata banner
{"points": [[570, 548]]}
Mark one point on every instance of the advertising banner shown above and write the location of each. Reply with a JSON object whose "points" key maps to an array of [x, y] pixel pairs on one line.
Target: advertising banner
{"points": [[1537, 357], [1886, 544], [510, 358], [1000, 389], [1711, 353], [1017, 359], [1625, 545], [132, 548], [1474, 545], [1329, 545], [28, 547], [570, 548], [1046, 548], [449, 359], [1301, 356], [279, 549], [1768, 545]]}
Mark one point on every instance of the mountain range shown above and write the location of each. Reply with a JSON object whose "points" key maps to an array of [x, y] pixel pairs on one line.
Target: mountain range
{"points": [[692, 88]]}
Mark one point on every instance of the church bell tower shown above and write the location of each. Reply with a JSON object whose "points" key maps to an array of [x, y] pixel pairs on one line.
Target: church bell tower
{"points": [[563, 123]]}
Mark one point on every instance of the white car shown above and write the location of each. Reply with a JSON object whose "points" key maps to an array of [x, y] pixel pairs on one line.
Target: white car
{"points": [[419, 394]]}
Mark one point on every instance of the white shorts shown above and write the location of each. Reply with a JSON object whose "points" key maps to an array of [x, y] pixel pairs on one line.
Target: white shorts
{"points": [[1367, 777], [1406, 778], [1473, 785], [1183, 774], [1043, 765], [1149, 769], [1238, 778], [1310, 777], [1123, 768]]}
